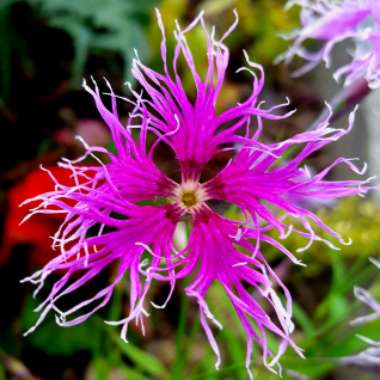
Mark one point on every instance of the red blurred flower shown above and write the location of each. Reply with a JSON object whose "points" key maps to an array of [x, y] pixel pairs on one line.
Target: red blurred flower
{"points": [[34, 232]]}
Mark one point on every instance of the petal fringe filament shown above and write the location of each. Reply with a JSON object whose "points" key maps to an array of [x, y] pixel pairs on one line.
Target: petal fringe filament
{"points": [[331, 23]]}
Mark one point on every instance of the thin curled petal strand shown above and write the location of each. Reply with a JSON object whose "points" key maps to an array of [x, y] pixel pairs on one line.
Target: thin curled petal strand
{"points": [[214, 251], [333, 22], [257, 180]]}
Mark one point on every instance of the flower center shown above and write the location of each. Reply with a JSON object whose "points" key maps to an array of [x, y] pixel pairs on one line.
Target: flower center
{"points": [[190, 196]]}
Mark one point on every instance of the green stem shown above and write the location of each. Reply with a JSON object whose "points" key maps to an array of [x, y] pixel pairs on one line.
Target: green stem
{"points": [[179, 360]]}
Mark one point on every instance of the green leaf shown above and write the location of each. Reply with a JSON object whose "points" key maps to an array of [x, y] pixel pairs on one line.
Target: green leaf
{"points": [[86, 336], [100, 368], [338, 307], [116, 26], [7, 3], [133, 374], [179, 360], [304, 321], [140, 358], [2, 372]]}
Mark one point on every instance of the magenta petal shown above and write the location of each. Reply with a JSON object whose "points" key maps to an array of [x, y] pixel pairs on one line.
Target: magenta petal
{"points": [[193, 129], [213, 251], [257, 181], [89, 256]]}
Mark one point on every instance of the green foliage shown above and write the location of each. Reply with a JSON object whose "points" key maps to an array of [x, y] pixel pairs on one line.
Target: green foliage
{"points": [[85, 336], [100, 27], [178, 363], [2, 373], [12, 47], [355, 219], [109, 29], [103, 341], [139, 357], [267, 42]]}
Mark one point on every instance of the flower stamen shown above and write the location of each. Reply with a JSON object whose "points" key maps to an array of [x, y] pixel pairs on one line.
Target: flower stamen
{"points": [[190, 196]]}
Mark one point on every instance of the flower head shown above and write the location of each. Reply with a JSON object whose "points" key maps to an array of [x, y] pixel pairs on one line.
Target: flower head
{"points": [[332, 22], [111, 219]]}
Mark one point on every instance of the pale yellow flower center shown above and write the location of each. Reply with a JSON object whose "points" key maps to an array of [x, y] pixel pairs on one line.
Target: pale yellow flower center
{"points": [[190, 196]]}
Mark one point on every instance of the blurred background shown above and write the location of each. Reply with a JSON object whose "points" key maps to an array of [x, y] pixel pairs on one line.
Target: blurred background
{"points": [[46, 48]]}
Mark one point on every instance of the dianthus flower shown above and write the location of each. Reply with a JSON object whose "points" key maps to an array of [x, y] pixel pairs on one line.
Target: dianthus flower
{"points": [[125, 210], [334, 21]]}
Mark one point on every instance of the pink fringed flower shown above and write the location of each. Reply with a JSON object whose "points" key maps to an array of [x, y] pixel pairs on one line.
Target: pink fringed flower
{"points": [[109, 220], [335, 21]]}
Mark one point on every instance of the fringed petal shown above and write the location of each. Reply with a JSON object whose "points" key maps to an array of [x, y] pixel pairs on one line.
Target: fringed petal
{"points": [[213, 250], [258, 179], [101, 231], [193, 129], [334, 22], [132, 168]]}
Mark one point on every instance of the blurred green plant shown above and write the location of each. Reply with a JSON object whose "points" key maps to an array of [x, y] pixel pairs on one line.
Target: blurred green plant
{"points": [[262, 38], [111, 29], [98, 26], [108, 350], [12, 46], [265, 42], [355, 219]]}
